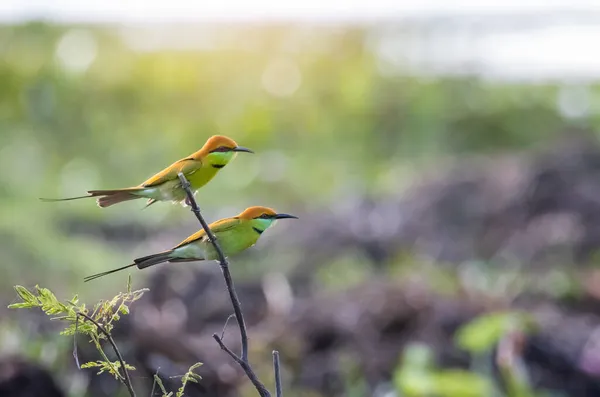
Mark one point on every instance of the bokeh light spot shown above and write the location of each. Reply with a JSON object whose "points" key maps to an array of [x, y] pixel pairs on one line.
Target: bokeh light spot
{"points": [[76, 50], [281, 77], [574, 101]]}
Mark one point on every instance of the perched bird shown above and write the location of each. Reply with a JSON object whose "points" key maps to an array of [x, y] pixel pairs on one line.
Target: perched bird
{"points": [[199, 168], [233, 234]]}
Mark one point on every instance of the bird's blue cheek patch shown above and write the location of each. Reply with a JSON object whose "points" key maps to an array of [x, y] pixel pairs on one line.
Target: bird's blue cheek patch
{"points": [[263, 224]]}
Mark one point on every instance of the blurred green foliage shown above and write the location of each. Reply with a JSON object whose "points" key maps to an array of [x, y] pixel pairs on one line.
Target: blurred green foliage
{"points": [[418, 376], [103, 107], [485, 332]]}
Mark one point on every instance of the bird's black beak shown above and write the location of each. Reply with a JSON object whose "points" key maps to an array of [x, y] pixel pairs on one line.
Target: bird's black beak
{"points": [[285, 216], [242, 149]]}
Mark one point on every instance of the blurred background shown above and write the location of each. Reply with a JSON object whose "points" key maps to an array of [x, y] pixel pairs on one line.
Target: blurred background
{"points": [[442, 156]]}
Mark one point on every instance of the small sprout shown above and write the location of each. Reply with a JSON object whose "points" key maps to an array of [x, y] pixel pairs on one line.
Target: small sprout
{"points": [[22, 305], [189, 376], [74, 301], [158, 381]]}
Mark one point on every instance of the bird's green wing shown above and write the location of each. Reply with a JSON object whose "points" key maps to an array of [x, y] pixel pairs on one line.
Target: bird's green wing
{"points": [[186, 165], [216, 227]]}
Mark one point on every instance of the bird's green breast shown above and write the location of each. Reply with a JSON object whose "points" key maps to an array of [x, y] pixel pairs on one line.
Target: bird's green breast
{"points": [[211, 165], [233, 241], [202, 176]]}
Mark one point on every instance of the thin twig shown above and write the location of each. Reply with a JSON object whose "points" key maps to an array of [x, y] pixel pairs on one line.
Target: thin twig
{"points": [[262, 390], [75, 353], [243, 359], [277, 370], [154, 382], [126, 379], [225, 326]]}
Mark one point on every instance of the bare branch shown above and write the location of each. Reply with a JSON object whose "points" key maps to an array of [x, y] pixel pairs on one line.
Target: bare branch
{"points": [[126, 379], [237, 307], [262, 390], [276, 369], [242, 360]]}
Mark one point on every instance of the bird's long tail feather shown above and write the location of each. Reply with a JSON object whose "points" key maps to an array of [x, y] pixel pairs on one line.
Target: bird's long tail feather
{"points": [[95, 276], [64, 199], [151, 260], [141, 263], [104, 198]]}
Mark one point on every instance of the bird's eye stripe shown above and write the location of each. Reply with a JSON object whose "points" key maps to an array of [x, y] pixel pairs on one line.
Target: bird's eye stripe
{"points": [[221, 149]]}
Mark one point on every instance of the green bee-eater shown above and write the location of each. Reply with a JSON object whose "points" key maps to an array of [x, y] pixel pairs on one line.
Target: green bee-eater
{"points": [[233, 234], [199, 168]]}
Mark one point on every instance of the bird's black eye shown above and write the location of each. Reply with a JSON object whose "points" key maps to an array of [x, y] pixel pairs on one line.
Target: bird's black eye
{"points": [[264, 216], [221, 149]]}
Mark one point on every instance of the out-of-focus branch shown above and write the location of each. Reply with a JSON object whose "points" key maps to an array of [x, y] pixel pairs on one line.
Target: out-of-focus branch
{"points": [[241, 360]]}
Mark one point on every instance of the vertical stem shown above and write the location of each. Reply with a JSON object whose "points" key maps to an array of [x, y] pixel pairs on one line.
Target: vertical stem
{"points": [[277, 370]]}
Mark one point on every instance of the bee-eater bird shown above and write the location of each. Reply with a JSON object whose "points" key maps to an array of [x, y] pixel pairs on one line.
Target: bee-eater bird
{"points": [[233, 234], [199, 168]]}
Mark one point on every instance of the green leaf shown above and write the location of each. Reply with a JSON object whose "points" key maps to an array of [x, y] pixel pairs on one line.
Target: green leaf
{"points": [[61, 318], [82, 328], [107, 366], [50, 304], [23, 305], [26, 295], [162, 387], [92, 364], [452, 383], [193, 367], [75, 300], [45, 295], [413, 382], [412, 377], [484, 332]]}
